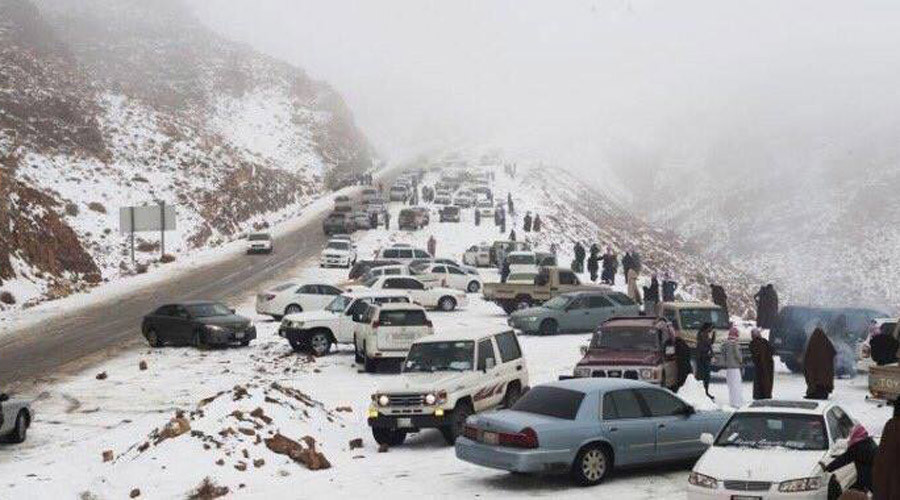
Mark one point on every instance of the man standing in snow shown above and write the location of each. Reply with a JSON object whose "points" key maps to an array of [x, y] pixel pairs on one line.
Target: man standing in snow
{"points": [[509, 204], [885, 479], [578, 264], [512, 235], [719, 297], [432, 246], [668, 288], [477, 217], [731, 350], [593, 264], [818, 365], [610, 265], [526, 223], [504, 270], [763, 364], [633, 291], [537, 224], [387, 219], [627, 264], [883, 346]]}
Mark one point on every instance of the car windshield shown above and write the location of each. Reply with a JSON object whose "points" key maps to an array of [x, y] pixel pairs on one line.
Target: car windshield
{"points": [[338, 245], [520, 259], [338, 304], [775, 430], [283, 287], [259, 237], [456, 356], [693, 319], [208, 310], [558, 303], [551, 401], [626, 339]]}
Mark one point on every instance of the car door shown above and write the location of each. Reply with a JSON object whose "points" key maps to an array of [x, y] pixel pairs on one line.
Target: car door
{"points": [[305, 297], [326, 294], [182, 326], [346, 327], [600, 309], [457, 278], [630, 432], [577, 317], [839, 427], [490, 388], [417, 291], [677, 434], [510, 363]]}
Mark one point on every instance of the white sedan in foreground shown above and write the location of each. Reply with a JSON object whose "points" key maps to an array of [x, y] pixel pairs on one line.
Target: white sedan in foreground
{"points": [[293, 298], [774, 449]]}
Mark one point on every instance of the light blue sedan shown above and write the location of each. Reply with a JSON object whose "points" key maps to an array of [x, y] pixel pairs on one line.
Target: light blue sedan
{"points": [[585, 427]]}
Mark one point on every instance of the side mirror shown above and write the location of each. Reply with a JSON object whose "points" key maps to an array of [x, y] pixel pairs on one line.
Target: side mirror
{"points": [[839, 448], [707, 439], [489, 364]]}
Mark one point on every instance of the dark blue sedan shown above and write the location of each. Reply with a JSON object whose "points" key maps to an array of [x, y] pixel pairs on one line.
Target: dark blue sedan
{"points": [[584, 427]]}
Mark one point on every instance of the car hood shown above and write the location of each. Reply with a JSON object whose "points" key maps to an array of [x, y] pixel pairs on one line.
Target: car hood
{"points": [[230, 320], [320, 315], [423, 382], [748, 464], [620, 357]]}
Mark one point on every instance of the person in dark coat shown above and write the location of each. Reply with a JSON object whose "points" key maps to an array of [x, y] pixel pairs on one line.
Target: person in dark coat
{"points": [[537, 224], [668, 288], [503, 223], [477, 217], [885, 479], [682, 361], [594, 266], [861, 450], [610, 263], [651, 293], [512, 235], [764, 365], [818, 365], [766, 306], [526, 223], [373, 220], [882, 346], [387, 219], [719, 297], [578, 266], [504, 271], [627, 263], [706, 337]]}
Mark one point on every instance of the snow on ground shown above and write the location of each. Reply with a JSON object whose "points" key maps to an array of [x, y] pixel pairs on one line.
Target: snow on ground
{"points": [[325, 398]]}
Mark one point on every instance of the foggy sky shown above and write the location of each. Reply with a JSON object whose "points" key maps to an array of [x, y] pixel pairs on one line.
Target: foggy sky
{"points": [[719, 85]]}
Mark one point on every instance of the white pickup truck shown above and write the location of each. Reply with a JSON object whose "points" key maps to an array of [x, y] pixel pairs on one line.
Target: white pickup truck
{"points": [[445, 379], [317, 331]]}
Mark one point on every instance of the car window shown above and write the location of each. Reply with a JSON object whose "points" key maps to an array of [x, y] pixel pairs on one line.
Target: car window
{"points": [[421, 254], [412, 284], [473, 248], [843, 423], [485, 351], [391, 253], [329, 290], [578, 303], [308, 289], [621, 405], [454, 270], [358, 307], [551, 401], [393, 271], [660, 403], [567, 278], [406, 253], [508, 345], [621, 299], [394, 283], [286, 286], [390, 300], [165, 311], [598, 301], [671, 316], [439, 269]]}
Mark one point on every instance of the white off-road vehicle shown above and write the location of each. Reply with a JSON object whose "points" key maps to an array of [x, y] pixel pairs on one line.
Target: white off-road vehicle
{"points": [[317, 331], [445, 379]]}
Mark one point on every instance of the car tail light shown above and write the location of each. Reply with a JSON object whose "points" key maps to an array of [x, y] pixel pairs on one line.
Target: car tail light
{"points": [[269, 296], [470, 432], [526, 438]]}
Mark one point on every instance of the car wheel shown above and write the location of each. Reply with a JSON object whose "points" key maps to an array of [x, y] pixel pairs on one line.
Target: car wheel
{"points": [[293, 309], [549, 327], [591, 466], [320, 343], [389, 437], [473, 287], [197, 340], [21, 430], [513, 393], [447, 304], [153, 338], [455, 429], [296, 344]]}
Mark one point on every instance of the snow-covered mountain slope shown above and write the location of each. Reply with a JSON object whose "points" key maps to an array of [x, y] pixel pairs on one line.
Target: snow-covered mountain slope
{"points": [[105, 104], [826, 236]]}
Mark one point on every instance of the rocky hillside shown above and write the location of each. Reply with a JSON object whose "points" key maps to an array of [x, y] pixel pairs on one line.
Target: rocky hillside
{"points": [[109, 103]]}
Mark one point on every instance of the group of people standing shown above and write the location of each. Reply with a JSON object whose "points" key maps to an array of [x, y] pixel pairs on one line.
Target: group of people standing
{"points": [[530, 224]]}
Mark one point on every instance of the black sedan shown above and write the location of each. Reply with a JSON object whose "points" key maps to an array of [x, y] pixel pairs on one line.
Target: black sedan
{"points": [[197, 324]]}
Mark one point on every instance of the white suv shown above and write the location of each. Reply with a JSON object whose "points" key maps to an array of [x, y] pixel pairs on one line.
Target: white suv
{"points": [[387, 331], [444, 299], [446, 378], [339, 253], [317, 331]]}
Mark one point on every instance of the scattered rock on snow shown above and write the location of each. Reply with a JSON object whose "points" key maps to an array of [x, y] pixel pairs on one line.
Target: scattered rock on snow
{"points": [[383, 448], [142, 365], [208, 490], [108, 456], [101, 376], [312, 459], [134, 493], [356, 443]]}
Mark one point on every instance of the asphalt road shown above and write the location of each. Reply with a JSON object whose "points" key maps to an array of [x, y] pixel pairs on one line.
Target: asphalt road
{"points": [[75, 341]]}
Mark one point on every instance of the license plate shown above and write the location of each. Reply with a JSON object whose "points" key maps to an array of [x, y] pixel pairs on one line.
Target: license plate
{"points": [[239, 335], [614, 373], [404, 422], [490, 438]]}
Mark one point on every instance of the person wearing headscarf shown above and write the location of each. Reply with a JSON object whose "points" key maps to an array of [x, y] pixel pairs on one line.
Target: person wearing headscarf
{"points": [[706, 337], [432, 246], [719, 297], [668, 288], [536, 225], [731, 351], [818, 365], [883, 347], [512, 235], [526, 222], [885, 478], [652, 293], [593, 264], [861, 450], [682, 359], [633, 291], [763, 364], [504, 270], [610, 266]]}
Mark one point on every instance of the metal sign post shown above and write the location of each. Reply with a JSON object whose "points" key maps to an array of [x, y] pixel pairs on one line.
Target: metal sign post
{"points": [[147, 218]]}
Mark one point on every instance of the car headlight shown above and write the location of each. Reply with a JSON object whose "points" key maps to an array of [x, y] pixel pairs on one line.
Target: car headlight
{"points": [[383, 400], [648, 373], [430, 399], [703, 481], [582, 371], [214, 328], [803, 484]]}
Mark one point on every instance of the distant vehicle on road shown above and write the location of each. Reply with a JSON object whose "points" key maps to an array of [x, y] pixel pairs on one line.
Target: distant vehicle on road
{"points": [[361, 267], [197, 323], [522, 262], [464, 199], [293, 298], [369, 195], [386, 331], [338, 253], [337, 222], [449, 214], [574, 312], [410, 219], [478, 255], [443, 198], [342, 202], [445, 379], [586, 427], [361, 220], [15, 419], [260, 243]]}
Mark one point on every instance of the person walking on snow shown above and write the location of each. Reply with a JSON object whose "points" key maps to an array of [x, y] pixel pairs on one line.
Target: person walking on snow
{"points": [[432, 246], [504, 271], [610, 265], [536, 225], [731, 350], [682, 359], [512, 235], [706, 337], [861, 451], [883, 346], [387, 219], [763, 365], [526, 222], [668, 288], [553, 249], [818, 365]]}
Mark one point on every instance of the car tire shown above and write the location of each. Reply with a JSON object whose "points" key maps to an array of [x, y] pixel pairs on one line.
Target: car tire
{"points": [[549, 327], [458, 421], [197, 340], [320, 343], [473, 287], [20, 432], [293, 309], [296, 344], [513, 393], [389, 437], [153, 338], [447, 304], [592, 465]]}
